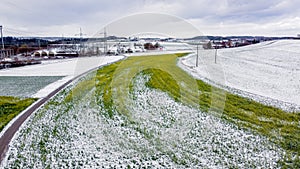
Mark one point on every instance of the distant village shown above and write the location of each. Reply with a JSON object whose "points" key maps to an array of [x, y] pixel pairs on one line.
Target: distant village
{"points": [[31, 50]]}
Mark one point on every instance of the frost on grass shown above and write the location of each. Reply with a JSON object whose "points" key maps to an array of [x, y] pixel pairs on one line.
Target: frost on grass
{"points": [[159, 132], [20, 86]]}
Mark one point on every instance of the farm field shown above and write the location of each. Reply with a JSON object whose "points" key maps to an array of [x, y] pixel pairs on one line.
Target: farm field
{"points": [[24, 86], [269, 70], [145, 111], [60, 71]]}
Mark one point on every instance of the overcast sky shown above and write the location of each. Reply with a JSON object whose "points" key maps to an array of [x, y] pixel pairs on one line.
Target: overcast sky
{"points": [[218, 17]]}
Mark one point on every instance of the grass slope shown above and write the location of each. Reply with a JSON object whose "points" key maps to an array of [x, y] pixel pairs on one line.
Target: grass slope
{"points": [[113, 85], [10, 107]]}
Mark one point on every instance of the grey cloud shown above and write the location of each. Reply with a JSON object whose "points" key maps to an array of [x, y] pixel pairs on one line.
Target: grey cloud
{"points": [[40, 15]]}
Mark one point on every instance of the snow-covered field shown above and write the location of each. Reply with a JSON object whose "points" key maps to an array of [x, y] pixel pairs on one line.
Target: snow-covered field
{"points": [[269, 70], [35, 80], [160, 132], [24, 86], [164, 134]]}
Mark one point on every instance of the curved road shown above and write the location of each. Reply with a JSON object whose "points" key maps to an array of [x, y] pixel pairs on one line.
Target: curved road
{"points": [[11, 131]]}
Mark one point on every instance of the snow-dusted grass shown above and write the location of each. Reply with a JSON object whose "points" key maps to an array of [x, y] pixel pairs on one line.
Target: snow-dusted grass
{"points": [[128, 115], [37, 81], [160, 133], [282, 127], [24, 86]]}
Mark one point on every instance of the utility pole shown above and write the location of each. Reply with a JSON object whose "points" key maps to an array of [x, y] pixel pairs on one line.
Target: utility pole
{"points": [[104, 40], [197, 55], [2, 37], [216, 52], [80, 36]]}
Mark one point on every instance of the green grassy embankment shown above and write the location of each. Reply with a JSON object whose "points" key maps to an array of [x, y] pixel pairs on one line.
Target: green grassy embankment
{"points": [[113, 84], [10, 107]]}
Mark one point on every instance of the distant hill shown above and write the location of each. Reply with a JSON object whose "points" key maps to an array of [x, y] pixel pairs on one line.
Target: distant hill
{"points": [[259, 38]]}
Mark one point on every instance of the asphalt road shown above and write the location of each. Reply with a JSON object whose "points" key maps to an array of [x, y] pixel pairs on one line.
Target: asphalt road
{"points": [[11, 131]]}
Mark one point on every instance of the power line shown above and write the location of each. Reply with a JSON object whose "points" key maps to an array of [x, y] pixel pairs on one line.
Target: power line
{"points": [[80, 36], [21, 32], [105, 41]]}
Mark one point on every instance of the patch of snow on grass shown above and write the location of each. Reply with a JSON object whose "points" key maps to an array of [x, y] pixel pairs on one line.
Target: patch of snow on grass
{"points": [[159, 133]]}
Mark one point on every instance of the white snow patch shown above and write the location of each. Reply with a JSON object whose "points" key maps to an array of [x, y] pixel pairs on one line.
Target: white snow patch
{"points": [[268, 69], [65, 67]]}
